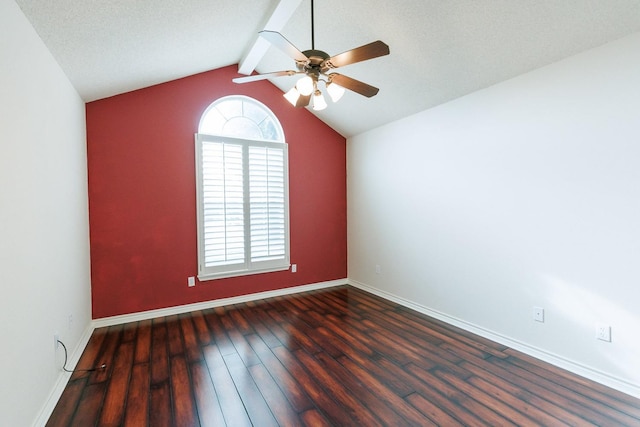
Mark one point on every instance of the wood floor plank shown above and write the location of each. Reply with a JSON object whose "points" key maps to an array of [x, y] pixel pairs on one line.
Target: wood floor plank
{"points": [[160, 405], [143, 342], [242, 347], [273, 325], [457, 345], [231, 403], [323, 400], [294, 333], [207, 403], [325, 343], [184, 408], [288, 384], [270, 331], [371, 364], [191, 346], [313, 418], [570, 401], [447, 408], [318, 304], [137, 405], [461, 406], [66, 407], [540, 407], [261, 329], [450, 332], [108, 349], [368, 302], [129, 331], [486, 399], [302, 303], [255, 404], [159, 352], [113, 404], [523, 406], [391, 347], [338, 302], [337, 356], [421, 352], [380, 390], [174, 335], [334, 326], [279, 405], [432, 411], [362, 396], [91, 356], [331, 384], [90, 402], [202, 329], [220, 337], [240, 322], [611, 398]]}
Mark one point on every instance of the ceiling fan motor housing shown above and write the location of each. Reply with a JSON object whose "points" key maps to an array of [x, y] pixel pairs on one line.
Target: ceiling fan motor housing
{"points": [[315, 59]]}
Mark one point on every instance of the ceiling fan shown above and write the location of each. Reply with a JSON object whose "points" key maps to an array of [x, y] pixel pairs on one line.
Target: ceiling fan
{"points": [[316, 65]]}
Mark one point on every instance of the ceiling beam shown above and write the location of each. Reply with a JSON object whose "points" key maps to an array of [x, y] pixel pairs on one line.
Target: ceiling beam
{"points": [[281, 15]]}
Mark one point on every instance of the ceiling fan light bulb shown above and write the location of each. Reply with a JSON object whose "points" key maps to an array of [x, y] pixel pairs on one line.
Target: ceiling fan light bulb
{"points": [[305, 86], [292, 96], [318, 101], [335, 91]]}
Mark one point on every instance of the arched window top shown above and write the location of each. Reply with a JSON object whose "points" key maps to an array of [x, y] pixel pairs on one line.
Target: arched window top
{"points": [[241, 117]]}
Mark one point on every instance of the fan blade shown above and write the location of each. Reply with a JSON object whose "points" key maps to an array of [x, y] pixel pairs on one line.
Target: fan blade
{"points": [[257, 77], [354, 85], [359, 54], [284, 45]]}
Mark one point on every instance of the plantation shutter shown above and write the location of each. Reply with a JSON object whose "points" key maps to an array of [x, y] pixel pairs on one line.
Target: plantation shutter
{"points": [[242, 206], [223, 204], [267, 203]]}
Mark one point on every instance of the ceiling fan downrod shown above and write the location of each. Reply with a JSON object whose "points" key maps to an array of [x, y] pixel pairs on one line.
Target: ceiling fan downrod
{"points": [[313, 43]]}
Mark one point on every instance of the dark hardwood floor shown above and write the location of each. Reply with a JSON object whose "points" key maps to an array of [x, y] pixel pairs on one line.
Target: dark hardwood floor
{"points": [[333, 357]]}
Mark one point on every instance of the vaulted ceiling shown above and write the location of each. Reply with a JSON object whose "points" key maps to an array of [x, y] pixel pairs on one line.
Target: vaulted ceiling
{"points": [[440, 50]]}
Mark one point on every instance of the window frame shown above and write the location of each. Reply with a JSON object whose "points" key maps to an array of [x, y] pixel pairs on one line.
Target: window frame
{"points": [[248, 266]]}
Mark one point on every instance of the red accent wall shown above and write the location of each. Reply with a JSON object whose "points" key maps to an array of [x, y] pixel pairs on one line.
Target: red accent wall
{"points": [[142, 195]]}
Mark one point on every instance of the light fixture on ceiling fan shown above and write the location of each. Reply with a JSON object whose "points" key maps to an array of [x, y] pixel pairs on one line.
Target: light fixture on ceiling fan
{"points": [[315, 65]]}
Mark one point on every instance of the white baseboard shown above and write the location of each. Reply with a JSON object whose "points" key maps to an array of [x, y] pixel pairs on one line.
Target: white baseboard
{"points": [[144, 315], [554, 359], [63, 379]]}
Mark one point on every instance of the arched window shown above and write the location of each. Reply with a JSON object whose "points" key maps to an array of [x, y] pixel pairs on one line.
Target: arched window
{"points": [[241, 117], [242, 190]]}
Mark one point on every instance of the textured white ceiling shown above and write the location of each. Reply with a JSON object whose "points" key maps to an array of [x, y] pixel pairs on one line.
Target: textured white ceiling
{"points": [[440, 50]]}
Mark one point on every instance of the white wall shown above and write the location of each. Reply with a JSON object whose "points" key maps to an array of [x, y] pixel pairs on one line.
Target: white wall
{"points": [[44, 239], [523, 194]]}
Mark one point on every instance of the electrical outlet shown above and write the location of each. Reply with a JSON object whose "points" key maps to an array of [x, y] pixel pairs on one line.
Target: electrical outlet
{"points": [[378, 269], [294, 268], [56, 338], [191, 281], [538, 314], [70, 322], [603, 332]]}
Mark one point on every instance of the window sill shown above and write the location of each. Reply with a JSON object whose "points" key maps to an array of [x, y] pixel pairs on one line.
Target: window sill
{"points": [[240, 273]]}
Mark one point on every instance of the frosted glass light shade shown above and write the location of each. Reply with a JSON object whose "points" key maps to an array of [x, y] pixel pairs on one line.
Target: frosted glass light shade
{"points": [[318, 101], [335, 91], [305, 86], [292, 96]]}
